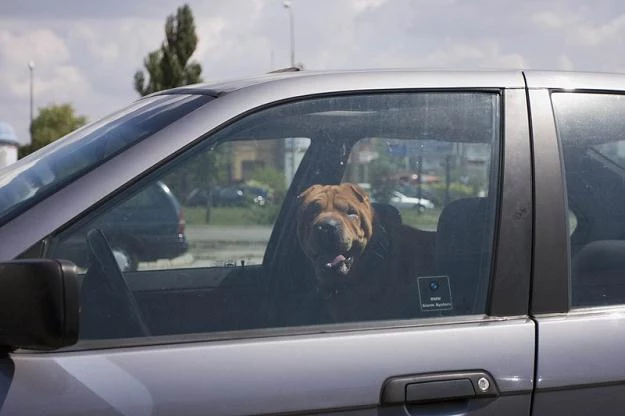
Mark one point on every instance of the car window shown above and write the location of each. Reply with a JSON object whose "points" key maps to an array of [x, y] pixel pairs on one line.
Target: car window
{"points": [[591, 128], [329, 210], [420, 177], [37, 176]]}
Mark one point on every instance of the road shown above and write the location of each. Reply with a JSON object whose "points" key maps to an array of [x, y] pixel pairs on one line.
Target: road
{"points": [[245, 235]]}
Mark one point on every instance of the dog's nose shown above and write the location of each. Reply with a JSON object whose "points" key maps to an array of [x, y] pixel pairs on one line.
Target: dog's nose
{"points": [[327, 227]]}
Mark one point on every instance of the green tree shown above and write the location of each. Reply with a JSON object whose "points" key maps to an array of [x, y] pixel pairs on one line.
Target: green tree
{"points": [[52, 122], [169, 66]]}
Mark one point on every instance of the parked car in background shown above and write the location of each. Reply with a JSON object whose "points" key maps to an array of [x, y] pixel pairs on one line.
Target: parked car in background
{"points": [[146, 227], [401, 201], [239, 196], [514, 297], [198, 197]]}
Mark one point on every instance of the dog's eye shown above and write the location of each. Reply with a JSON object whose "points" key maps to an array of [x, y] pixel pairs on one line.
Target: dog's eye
{"points": [[351, 213], [314, 208]]}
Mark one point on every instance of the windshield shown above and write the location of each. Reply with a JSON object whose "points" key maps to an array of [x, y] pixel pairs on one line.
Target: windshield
{"points": [[51, 168]]}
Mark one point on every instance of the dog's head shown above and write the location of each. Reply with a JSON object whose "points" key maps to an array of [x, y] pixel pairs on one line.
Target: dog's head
{"points": [[334, 225]]}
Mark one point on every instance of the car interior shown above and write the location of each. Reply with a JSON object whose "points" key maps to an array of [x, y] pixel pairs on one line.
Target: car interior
{"points": [[270, 295], [596, 197]]}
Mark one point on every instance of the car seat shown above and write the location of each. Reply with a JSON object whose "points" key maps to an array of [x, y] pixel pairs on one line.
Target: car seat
{"points": [[462, 252], [598, 274]]}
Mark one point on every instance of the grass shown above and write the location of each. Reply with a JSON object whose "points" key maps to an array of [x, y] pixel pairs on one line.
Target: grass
{"points": [[426, 220], [232, 216]]}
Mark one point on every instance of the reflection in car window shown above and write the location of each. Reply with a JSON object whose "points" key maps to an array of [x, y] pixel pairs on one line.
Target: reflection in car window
{"points": [[328, 210], [46, 171], [591, 128]]}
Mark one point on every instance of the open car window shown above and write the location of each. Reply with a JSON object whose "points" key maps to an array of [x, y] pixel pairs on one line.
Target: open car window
{"points": [[327, 210]]}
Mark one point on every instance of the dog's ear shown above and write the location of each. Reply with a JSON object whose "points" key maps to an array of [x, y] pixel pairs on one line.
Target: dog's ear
{"points": [[366, 214], [360, 193]]}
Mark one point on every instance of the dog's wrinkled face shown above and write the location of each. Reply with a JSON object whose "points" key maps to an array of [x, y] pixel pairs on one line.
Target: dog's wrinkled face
{"points": [[334, 225]]}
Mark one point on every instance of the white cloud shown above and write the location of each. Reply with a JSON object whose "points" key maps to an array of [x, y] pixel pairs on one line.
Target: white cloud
{"points": [[549, 20], [485, 54], [104, 49], [592, 35], [565, 63], [360, 5], [39, 44], [211, 36], [580, 30]]}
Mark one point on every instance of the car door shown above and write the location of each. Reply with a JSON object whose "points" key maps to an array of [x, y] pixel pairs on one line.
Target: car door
{"points": [[578, 293], [244, 330]]}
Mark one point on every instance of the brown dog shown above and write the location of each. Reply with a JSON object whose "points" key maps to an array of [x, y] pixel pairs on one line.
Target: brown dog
{"points": [[335, 223], [362, 261]]}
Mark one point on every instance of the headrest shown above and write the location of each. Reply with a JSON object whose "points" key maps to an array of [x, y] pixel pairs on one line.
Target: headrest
{"points": [[463, 228], [598, 274], [463, 242], [387, 214]]}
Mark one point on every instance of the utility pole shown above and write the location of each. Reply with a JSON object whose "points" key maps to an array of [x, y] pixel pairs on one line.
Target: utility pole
{"points": [[31, 69], [287, 5]]}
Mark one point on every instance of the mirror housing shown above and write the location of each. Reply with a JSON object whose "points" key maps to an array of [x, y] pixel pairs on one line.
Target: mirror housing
{"points": [[39, 304]]}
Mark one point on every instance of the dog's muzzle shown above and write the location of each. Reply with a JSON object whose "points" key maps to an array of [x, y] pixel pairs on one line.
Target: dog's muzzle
{"points": [[328, 235], [333, 247]]}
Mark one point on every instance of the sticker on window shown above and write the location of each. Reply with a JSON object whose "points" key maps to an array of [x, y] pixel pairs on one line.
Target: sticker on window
{"points": [[434, 293]]}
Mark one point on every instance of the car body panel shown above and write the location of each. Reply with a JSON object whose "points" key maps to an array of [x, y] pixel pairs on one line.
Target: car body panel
{"points": [[325, 370], [591, 354], [578, 363], [269, 376], [328, 81]]}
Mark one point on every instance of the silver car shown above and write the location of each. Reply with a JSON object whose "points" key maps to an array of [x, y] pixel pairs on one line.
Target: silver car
{"points": [[506, 297]]}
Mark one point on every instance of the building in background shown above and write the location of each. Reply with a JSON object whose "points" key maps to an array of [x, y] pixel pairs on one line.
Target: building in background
{"points": [[8, 145]]}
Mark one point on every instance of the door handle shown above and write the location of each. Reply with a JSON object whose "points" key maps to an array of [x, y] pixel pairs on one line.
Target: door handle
{"points": [[438, 387]]}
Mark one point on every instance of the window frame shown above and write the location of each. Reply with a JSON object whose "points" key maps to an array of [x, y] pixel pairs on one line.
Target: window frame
{"points": [[513, 202]]}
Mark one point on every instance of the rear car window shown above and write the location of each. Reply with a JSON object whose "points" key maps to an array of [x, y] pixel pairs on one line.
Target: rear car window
{"points": [[591, 129]]}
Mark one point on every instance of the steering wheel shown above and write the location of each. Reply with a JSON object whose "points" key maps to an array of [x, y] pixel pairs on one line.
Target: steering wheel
{"points": [[109, 302]]}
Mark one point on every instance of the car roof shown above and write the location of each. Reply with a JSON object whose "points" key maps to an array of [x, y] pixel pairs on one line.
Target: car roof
{"points": [[219, 88], [510, 78]]}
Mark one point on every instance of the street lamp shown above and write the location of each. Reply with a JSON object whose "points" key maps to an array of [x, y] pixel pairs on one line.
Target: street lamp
{"points": [[31, 69], [287, 5]]}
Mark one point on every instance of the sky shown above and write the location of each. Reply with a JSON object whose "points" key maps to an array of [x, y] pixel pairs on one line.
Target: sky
{"points": [[86, 51]]}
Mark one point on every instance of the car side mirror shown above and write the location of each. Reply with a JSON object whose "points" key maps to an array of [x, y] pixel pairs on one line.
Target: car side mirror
{"points": [[39, 304]]}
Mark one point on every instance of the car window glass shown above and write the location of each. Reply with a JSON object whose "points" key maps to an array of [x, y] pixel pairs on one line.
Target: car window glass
{"points": [[591, 128], [214, 209], [44, 172], [327, 210], [420, 177]]}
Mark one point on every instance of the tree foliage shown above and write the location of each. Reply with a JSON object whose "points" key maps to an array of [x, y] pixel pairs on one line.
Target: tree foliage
{"points": [[169, 66], [52, 123]]}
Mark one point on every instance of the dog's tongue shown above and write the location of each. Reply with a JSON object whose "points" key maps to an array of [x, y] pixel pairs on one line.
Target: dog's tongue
{"points": [[338, 259]]}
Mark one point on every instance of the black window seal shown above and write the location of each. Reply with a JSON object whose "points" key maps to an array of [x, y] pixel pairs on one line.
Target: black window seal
{"points": [[510, 285]]}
